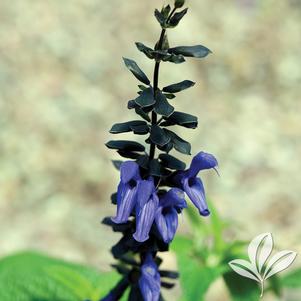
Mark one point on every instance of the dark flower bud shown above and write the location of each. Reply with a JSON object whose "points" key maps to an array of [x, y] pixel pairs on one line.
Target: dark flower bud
{"points": [[179, 3]]}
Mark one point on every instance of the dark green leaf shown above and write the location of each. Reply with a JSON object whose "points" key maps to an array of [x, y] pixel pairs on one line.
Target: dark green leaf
{"points": [[140, 129], [160, 18], [142, 113], [176, 18], [142, 87], [146, 98], [179, 144], [197, 51], [128, 154], [142, 161], [176, 59], [117, 164], [166, 148], [183, 119], [132, 104], [125, 145], [172, 162], [162, 106], [155, 168], [179, 3], [170, 96], [158, 136], [146, 50], [185, 84], [169, 274], [165, 11], [126, 126], [161, 55], [138, 73]]}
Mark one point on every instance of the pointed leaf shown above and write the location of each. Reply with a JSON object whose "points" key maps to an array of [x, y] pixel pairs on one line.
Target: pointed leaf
{"points": [[160, 18], [185, 84], [176, 18], [176, 59], [279, 262], [138, 73], [265, 251], [179, 144], [159, 136], [172, 162], [162, 106], [140, 129], [146, 98], [144, 49], [242, 267], [182, 119], [125, 145], [197, 51], [126, 126], [142, 113]]}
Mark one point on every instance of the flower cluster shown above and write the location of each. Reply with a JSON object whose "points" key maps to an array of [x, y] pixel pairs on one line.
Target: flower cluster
{"points": [[152, 190], [138, 197]]}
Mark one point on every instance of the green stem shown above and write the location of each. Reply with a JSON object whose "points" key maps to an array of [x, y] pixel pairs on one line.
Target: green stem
{"points": [[262, 288]]}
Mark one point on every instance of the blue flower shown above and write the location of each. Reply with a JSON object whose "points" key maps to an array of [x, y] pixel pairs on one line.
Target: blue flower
{"points": [[192, 185], [147, 205], [126, 192], [166, 219], [149, 281]]}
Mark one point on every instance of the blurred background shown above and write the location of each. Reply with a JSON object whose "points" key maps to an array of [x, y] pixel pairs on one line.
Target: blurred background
{"points": [[63, 84]]}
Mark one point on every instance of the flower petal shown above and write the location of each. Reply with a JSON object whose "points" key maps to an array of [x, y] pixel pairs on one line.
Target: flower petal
{"points": [[174, 197], [129, 170], [144, 191], [149, 281], [201, 161], [195, 190], [145, 217], [167, 223], [126, 201]]}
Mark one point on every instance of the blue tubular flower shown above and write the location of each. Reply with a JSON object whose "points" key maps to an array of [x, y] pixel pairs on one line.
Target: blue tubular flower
{"points": [[147, 204], [149, 281], [192, 185], [167, 214], [126, 193]]}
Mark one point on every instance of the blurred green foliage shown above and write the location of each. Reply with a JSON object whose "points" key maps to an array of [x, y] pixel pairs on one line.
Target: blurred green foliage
{"points": [[203, 258]]}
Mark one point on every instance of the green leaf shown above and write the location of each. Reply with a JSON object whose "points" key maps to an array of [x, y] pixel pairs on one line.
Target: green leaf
{"points": [[31, 276], [166, 148], [141, 129], [292, 280], [155, 168], [176, 59], [142, 113], [146, 50], [162, 106], [197, 51], [126, 126], [241, 288], [160, 18], [125, 145], [172, 162], [185, 84], [146, 98], [165, 11], [192, 270], [128, 154], [138, 73], [170, 96], [158, 136], [176, 18], [182, 119], [179, 144]]}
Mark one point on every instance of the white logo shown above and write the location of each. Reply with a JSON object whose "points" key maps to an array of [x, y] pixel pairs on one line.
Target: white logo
{"points": [[259, 268]]}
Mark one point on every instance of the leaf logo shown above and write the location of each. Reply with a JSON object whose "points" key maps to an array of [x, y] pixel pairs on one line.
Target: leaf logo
{"points": [[259, 268]]}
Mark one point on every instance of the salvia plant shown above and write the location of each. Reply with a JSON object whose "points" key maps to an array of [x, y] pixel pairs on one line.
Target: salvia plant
{"points": [[153, 183]]}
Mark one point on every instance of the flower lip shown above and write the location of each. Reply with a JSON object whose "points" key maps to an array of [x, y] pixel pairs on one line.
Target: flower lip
{"points": [[205, 212]]}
